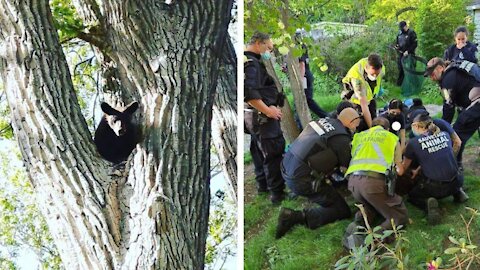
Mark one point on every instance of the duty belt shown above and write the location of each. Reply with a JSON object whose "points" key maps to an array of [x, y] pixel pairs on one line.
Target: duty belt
{"points": [[370, 174]]}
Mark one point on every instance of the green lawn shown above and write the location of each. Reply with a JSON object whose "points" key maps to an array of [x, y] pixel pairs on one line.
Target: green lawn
{"points": [[321, 248]]}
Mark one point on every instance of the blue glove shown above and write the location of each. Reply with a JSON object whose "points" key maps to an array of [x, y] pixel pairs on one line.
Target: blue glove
{"points": [[381, 92]]}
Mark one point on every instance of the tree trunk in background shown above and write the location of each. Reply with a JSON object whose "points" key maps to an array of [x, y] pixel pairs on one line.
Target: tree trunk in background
{"points": [[300, 101], [288, 124], [154, 215], [224, 122], [301, 106]]}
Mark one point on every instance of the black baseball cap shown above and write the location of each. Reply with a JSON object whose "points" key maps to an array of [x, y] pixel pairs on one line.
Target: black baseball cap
{"points": [[417, 112]]}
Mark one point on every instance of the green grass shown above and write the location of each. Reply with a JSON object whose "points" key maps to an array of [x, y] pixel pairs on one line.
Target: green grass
{"points": [[327, 89], [303, 248], [247, 158]]}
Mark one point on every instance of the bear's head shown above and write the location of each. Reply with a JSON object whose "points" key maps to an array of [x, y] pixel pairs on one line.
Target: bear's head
{"points": [[119, 121]]}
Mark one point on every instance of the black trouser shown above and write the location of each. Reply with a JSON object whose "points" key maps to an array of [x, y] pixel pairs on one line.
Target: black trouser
{"points": [[267, 155], [425, 189], [401, 73], [372, 107], [312, 105], [332, 205], [467, 124]]}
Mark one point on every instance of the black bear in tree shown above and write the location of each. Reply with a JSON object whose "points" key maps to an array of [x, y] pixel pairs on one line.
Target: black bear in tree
{"points": [[116, 135]]}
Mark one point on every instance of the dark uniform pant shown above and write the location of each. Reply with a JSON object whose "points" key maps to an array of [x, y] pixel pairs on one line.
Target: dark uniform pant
{"points": [[267, 155], [332, 206], [401, 73], [311, 103], [372, 193], [466, 125], [425, 189]]}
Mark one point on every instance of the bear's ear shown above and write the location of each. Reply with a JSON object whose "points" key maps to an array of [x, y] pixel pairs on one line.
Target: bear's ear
{"points": [[131, 108], [107, 109]]}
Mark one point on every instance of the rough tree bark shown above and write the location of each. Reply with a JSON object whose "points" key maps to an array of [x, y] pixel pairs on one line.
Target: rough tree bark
{"points": [[288, 124], [166, 56], [301, 106], [224, 122]]}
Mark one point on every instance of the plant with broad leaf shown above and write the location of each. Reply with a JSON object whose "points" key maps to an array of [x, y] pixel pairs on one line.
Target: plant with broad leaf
{"points": [[375, 253], [466, 254]]}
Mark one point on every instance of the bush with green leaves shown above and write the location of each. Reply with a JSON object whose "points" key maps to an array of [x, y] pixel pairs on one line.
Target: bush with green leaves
{"points": [[343, 51]]}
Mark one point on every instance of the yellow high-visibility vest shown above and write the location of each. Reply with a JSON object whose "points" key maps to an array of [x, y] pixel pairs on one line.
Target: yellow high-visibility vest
{"points": [[372, 150], [357, 71]]}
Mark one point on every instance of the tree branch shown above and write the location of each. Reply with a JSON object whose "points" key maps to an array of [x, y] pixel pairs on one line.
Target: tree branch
{"points": [[402, 10], [94, 37]]}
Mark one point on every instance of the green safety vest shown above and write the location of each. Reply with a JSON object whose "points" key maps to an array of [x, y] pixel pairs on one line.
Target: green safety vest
{"points": [[372, 150], [357, 71]]}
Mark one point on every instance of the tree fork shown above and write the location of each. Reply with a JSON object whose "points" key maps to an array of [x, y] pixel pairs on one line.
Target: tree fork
{"points": [[155, 214]]}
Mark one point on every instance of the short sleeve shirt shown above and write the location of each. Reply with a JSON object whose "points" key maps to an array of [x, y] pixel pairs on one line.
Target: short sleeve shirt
{"points": [[430, 151]]}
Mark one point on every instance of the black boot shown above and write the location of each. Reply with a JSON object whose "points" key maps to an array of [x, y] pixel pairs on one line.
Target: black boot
{"points": [[277, 197], [460, 196], [287, 219]]}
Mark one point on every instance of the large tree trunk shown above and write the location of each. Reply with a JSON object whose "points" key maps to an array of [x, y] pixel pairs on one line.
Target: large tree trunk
{"points": [[224, 122], [299, 98], [301, 106], [155, 215], [288, 124]]}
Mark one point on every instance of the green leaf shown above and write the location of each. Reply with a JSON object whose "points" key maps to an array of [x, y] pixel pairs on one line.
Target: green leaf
{"points": [[471, 246], [277, 41], [283, 50], [297, 52], [343, 266], [453, 240], [324, 68], [281, 25], [369, 239], [452, 250]]}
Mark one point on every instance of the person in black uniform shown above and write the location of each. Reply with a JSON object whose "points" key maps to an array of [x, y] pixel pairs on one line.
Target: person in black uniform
{"points": [[340, 107], [396, 118], [459, 89], [407, 181], [442, 125], [262, 118], [321, 147], [440, 176], [307, 76], [406, 44], [462, 49]]}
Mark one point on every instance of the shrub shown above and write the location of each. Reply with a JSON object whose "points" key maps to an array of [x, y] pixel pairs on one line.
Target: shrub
{"points": [[343, 51]]}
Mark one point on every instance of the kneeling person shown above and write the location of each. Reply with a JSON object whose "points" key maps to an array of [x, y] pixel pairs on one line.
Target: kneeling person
{"points": [[440, 176], [373, 153], [321, 147]]}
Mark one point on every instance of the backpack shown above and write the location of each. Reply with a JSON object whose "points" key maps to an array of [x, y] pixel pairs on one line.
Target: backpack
{"points": [[470, 68]]}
